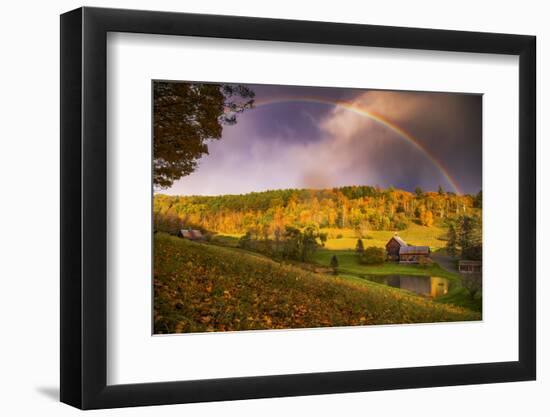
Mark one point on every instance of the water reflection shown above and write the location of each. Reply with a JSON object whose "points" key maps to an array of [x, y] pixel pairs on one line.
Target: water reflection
{"points": [[423, 285]]}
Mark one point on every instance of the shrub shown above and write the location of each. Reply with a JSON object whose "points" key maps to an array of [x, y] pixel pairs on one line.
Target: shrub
{"points": [[425, 261], [246, 241], [472, 283], [373, 256], [401, 225], [168, 223]]}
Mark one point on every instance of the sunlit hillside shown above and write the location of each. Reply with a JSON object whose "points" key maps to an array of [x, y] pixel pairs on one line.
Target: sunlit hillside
{"points": [[201, 287]]}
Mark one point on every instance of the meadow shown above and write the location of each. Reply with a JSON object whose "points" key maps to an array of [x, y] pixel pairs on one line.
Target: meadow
{"points": [[202, 287], [432, 236], [343, 247]]}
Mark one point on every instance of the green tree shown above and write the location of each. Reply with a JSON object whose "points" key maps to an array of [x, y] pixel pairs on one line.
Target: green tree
{"points": [[334, 264], [300, 245], [308, 243], [292, 243], [469, 237], [440, 190], [452, 240], [185, 116], [419, 192], [323, 238], [478, 200], [373, 256]]}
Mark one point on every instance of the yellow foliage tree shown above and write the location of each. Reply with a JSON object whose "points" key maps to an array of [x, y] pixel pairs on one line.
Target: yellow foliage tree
{"points": [[427, 218]]}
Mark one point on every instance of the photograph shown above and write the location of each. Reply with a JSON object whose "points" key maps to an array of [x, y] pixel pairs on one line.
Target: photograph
{"points": [[287, 207]]}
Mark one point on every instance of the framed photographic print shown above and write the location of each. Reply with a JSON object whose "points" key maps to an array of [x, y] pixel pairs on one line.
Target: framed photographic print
{"points": [[257, 208]]}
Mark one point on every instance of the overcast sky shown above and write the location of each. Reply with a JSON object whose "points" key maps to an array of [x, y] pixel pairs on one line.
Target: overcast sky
{"points": [[299, 137]]}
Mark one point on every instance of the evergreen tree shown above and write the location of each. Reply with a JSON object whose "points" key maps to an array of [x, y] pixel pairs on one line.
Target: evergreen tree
{"points": [[469, 237], [452, 240], [478, 200], [359, 248], [334, 264]]}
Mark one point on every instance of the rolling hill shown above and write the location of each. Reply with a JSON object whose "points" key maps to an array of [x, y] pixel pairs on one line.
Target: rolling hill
{"points": [[202, 288]]}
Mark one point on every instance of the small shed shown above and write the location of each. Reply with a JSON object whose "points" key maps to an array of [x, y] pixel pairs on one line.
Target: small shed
{"points": [[393, 246], [412, 254], [191, 234], [469, 267]]}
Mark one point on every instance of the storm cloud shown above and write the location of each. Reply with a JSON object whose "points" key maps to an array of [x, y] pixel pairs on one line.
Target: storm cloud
{"points": [[302, 137]]}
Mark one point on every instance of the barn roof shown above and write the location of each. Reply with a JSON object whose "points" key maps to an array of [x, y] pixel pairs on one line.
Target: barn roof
{"points": [[411, 250], [191, 233], [399, 240]]}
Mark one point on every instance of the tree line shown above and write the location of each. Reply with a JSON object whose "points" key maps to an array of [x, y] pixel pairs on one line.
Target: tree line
{"points": [[265, 214], [291, 244]]}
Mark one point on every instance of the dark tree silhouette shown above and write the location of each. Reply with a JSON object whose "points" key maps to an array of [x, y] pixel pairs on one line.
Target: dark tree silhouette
{"points": [[359, 247], [469, 237], [478, 200], [185, 116], [464, 238], [452, 240], [334, 264]]}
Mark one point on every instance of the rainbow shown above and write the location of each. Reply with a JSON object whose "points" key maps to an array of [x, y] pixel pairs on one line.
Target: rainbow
{"points": [[357, 109]]}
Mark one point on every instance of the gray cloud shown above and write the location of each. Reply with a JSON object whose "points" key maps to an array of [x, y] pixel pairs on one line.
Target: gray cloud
{"points": [[277, 147]]}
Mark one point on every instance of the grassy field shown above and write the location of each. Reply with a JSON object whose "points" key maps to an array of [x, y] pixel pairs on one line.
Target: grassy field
{"points": [[413, 235], [459, 297], [349, 266], [201, 288], [225, 239], [348, 261]]}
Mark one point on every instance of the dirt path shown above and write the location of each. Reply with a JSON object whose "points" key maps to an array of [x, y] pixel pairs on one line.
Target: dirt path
{"points": [[446, 262]]}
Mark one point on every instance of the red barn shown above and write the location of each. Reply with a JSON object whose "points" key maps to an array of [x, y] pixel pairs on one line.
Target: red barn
{"points": [[393, 246], [412, 254], [398, 250]]}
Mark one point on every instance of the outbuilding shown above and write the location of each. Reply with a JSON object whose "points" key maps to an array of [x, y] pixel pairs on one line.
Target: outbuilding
{"points": [[413, 254], [393, 246], [469, 267], [191, 234], [398, 250]]}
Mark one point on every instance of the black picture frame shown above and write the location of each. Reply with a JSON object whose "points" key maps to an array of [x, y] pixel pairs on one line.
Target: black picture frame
{"points": [[84, 207]]}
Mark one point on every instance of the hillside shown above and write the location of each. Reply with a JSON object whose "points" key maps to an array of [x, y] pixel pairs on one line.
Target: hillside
{"points": [[359, 209], [200, 287]]}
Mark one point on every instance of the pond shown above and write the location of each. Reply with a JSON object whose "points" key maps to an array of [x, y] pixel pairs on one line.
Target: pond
{"points": [[423, 285]]}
